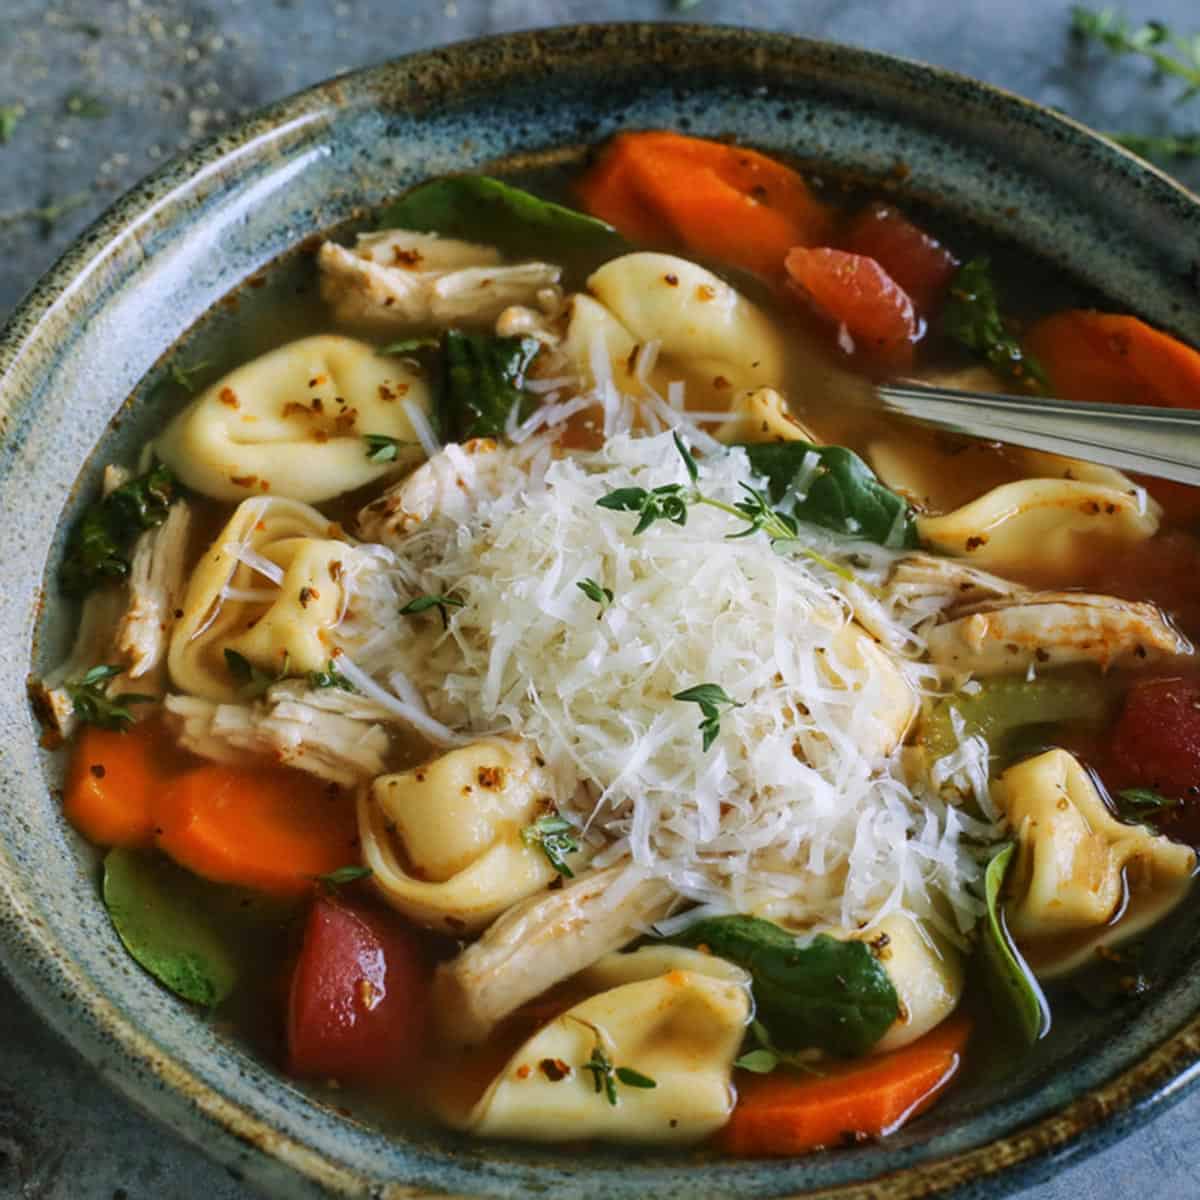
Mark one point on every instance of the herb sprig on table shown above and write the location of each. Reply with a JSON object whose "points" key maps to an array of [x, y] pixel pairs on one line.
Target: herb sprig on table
{"points": [[1174, 55]]}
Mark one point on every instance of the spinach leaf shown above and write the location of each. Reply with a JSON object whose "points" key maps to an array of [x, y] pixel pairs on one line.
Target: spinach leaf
{"points": [[831, 994], [98, 546], [480, 209], [843, 494], [1015, 991], [971, 316], [159, 914], [484, 379]]}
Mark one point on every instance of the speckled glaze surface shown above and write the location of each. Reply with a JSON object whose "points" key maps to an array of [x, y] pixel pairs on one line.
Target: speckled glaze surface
{"points": [[94, 334]]}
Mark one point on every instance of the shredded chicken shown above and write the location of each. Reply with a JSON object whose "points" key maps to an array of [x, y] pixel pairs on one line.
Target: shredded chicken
{"points": [[328, 732], [397, 279], [447, 483], [540, 942], [156, 585], [141, 610], [1053, 629]]}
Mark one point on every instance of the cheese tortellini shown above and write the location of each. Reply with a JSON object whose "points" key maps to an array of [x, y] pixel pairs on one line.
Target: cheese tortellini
{"points": [[1075, 860], [1033, 522], [271, 588], [291, 423], [675, 1016], [443, 840], [925, 970], [709, 336]]}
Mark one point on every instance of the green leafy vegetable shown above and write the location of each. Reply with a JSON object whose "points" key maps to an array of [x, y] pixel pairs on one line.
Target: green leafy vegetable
{"points": [[481, 209], [593, 591], [411, 345], [331, 677], [160, 913], [331, 881], [92, 706], [556, 838], [252, 681], [709, 696], [424, 603], [971, 316], [831, 994], [843, 494], [484, 382], [1015, 991], [383, 449], [1004, 706], [1136, 804], [98, 546]]}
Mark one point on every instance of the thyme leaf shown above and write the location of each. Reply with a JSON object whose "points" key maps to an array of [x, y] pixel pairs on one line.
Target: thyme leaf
{"points": [[709, 696], [10, 118], [606, 1074], [331, 881], [383, 449], [556, 838], [94, 707], [331, 677], [424, 603], [593, 591], [252, 681]]}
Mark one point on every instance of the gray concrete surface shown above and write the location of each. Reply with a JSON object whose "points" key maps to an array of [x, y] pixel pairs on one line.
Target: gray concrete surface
{"points": [[99, 92]]}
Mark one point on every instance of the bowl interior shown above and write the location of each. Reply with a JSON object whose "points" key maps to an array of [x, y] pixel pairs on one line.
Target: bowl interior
{"points": [[84, 380]]}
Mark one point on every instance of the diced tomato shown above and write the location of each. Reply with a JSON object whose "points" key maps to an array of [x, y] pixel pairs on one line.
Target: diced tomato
{"points": [[359, 999], [859, 296], [918, 262], [1156, 744]]}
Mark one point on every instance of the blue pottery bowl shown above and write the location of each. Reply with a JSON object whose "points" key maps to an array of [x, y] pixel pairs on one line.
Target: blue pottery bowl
{"points": [[83, 380]]}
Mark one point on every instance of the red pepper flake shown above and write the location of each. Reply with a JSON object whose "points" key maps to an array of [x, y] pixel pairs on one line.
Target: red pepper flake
{"points": [[228, 397], [706, 291], [97, 770], [554, 1069], [243, 481], [335, 570], [524, 1071], [307, 594], [491, 778], [406, 258], [671, 280], [973, 543], [318, 381]]}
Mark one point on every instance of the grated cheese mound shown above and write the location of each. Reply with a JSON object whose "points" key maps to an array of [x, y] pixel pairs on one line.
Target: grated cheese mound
{"points": [[786, 815]]}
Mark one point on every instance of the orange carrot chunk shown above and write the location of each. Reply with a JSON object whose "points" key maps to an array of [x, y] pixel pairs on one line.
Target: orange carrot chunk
{"points": [[861, 298], [725, 203], [1113, 359], [783, 1114], [919, 263], [112, 783], [269, 828]]}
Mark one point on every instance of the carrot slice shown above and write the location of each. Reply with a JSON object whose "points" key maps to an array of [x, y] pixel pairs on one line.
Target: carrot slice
{"points": [[113, 781], [919, 263], [1115, 359], [856, 292], [723, 202], [269, 828], [784, 1114]]}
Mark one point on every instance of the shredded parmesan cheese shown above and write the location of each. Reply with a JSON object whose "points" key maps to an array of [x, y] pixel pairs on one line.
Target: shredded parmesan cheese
{"points": [[789, 814]]}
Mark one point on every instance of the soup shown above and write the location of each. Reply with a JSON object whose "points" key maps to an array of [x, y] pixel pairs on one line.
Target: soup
{"points": [[550, 698]]}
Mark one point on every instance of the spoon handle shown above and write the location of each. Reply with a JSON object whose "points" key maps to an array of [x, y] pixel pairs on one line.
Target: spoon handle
{"points": [[1163, 442]]}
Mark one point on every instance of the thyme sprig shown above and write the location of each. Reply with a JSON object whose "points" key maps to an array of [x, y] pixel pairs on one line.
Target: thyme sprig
{"points": [[606, 1074], [594, 591], [709, 696], [670, 503], [94, 707], [1152, 40]]}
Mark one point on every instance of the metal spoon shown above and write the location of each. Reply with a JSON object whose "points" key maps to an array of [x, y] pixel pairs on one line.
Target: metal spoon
{"points": [[1163, 442]]}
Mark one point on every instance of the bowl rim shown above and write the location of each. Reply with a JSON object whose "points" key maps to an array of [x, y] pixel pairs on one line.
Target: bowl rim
{"points": [[226, 1127]]}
